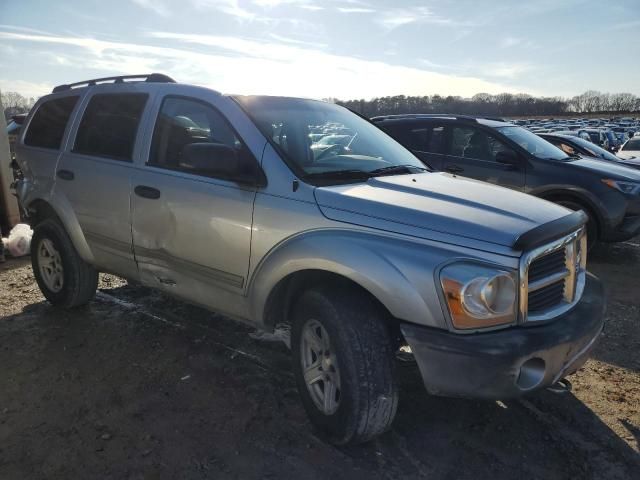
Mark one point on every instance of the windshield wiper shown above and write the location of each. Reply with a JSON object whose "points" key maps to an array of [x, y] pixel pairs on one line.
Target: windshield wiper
{"points": [[392, 169], [339, 174]]}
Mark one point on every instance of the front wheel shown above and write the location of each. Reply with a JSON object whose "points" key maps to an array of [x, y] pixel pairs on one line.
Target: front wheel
{"points": [[343, 364], [63, 277]]}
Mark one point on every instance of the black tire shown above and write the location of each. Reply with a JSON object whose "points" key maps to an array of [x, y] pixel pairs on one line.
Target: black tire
{"points": [[80, 280], [361, 342], [592, 226]]}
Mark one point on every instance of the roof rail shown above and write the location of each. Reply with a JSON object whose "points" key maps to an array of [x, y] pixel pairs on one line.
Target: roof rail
{"points": [[147, 77], [424, 115]]}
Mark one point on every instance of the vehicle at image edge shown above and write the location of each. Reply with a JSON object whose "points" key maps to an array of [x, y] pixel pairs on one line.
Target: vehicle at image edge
{"points": [[572, 145], [630, 151], [360, 252], [512, 156]]}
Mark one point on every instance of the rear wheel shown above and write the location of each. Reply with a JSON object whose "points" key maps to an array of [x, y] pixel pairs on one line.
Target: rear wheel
{"points": [[63, 277], [343, 364]]}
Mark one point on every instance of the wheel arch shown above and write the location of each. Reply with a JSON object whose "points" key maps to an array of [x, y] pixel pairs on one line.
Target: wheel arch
{"points": [[580, 197], [40, 209], [384, 270]]}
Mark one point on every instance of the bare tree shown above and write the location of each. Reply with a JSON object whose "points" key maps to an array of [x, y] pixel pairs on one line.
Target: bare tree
{"points": [[15, 103]]}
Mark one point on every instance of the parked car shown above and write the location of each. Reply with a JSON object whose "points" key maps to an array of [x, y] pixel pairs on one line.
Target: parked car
{"points": [[572, 145], [511, 156], [13, 130], [361, 253], [598, 137], [630, 151]]}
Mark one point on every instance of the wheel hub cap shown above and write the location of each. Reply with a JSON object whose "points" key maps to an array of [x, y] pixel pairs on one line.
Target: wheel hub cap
{"points": [[320, 367], [50, 264]]}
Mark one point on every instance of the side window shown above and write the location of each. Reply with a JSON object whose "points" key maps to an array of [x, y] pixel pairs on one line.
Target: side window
{"points": [[477, 144], [182, 122], [109, 125], [566, 148], [421, 138], [49, 123]]}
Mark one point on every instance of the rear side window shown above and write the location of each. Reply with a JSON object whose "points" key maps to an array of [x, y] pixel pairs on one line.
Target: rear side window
{"points": [[49, 123], [423, 138], [109, 125]]}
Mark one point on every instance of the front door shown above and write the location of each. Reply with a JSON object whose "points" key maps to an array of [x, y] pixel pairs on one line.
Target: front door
{"points": [[191, 232], [472, 153]]}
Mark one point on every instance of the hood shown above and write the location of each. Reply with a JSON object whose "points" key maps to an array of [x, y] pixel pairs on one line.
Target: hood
{"points": [[606, 168], [430, 204]]}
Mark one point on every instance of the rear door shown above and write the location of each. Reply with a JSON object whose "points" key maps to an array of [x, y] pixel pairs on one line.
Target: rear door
{"points": [[191, 231], [94, 175], [425, 139], [472, 153], [42, 143]]}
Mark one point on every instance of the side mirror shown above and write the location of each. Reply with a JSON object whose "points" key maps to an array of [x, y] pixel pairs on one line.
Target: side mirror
{"points": [[220, 161], [508, 157]]}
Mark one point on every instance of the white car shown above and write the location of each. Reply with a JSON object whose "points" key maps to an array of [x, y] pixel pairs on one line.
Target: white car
{"points": [[631, 149]]}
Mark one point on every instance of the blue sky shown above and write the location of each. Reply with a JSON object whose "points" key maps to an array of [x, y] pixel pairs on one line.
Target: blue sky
{"points": [[328, 48]]}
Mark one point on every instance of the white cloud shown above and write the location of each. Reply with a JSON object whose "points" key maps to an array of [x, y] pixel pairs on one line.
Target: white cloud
{"points": [[355, 10], [251, 66], [155, 6], [505, 70], [397, 17], [28, 89], [509, 42]]}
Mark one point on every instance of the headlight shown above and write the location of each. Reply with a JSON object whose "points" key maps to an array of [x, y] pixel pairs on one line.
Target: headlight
{"points": [[479, 296], [630, 188]]}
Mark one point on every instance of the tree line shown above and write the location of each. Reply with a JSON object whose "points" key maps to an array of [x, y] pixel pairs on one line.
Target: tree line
{"points": [[503, 104], [15, 103]]}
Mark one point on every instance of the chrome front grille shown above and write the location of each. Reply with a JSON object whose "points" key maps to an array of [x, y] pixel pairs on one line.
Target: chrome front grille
{"points": [[552, 278]]}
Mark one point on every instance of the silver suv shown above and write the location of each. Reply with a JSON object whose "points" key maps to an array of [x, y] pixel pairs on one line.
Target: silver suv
{"points": [[226, 202]]}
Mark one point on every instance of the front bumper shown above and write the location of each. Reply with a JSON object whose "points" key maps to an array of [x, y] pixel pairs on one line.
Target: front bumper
{"points": [[512, 362]]}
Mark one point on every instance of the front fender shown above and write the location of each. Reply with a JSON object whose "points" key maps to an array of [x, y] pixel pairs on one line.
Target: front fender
{"points": [[400, 273]]}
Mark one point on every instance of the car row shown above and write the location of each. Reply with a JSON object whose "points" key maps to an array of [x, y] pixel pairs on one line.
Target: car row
{"points": [[609, 134]]}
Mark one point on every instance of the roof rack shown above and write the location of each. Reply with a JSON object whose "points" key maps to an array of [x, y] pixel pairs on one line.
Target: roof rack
{"points": [[469, 118], [147, 77], [424, 115]]}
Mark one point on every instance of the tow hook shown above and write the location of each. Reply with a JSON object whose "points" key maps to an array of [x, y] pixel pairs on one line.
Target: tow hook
{"points": [[561, 386]]}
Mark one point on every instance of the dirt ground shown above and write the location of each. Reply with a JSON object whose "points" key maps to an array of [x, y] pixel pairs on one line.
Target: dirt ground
{"points": [[137, 385]]}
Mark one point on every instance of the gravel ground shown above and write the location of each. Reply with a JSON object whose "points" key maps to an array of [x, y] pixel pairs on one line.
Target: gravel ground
{"points": [[137, 385]]}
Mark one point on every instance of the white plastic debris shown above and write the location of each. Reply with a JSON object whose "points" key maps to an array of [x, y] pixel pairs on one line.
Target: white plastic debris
{"points": [[18, 243]]}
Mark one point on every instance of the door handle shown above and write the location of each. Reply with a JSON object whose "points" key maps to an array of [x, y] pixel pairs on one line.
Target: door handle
{"points": [[454, 169], [147, 192], [65, 174]]}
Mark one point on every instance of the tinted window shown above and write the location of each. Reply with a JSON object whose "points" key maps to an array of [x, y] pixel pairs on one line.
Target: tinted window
{"points": [[633, 144], [109, 125], [424, 138], [49, 123], [473, 143], [182, 122]]}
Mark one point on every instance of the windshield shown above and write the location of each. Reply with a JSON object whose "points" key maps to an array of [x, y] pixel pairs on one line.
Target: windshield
{"points": [[633, 144], [306, 132], [594, 150], [532, 143]]}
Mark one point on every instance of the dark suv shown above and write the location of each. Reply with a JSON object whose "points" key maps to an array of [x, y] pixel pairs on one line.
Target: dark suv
{"points": [[498, 152]]}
